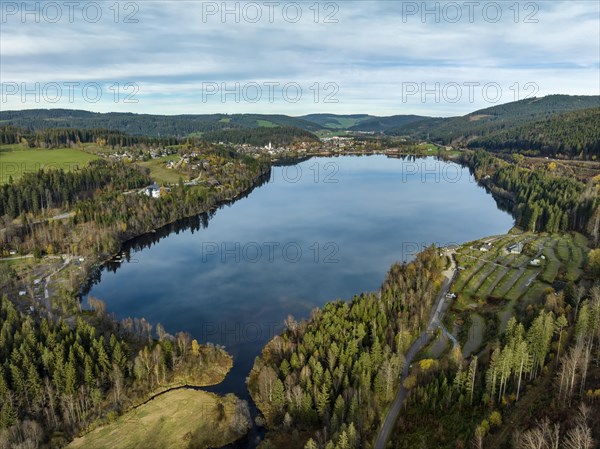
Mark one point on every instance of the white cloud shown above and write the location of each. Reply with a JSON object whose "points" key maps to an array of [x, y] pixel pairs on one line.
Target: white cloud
{"points": [[369, 53]]}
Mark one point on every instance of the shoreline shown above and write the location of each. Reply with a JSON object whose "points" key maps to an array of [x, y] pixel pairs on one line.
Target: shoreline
{"points": [[100, 262], [256, 182]]}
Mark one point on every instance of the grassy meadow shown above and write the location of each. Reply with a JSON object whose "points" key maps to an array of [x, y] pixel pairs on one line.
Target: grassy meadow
{"points": [[183, 419], [18, 159]]}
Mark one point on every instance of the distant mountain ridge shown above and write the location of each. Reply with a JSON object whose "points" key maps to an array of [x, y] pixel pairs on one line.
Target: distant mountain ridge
{"points": [[501, 126], [336, 121], [488, 121], [147, 124], [361, 122], [573, 134]]}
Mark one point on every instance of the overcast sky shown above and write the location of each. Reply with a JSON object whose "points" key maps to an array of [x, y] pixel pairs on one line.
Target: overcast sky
{"points": [[388, 57]]}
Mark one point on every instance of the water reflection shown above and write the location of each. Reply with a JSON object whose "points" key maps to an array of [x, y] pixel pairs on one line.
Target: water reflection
{"points": [[202, 274]]}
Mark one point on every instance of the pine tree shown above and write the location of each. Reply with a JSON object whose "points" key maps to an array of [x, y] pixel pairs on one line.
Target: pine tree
{"points": [[471, 378], [492, 373], [310, 444], [561, 323]]}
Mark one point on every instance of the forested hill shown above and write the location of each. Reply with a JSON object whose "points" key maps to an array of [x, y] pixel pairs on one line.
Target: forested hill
{"points": [[361, 122], [146, 124], [281, 135], [502, 126], [485, 122], [335, 121], [573, 134], [382, 124], [60, 137]]}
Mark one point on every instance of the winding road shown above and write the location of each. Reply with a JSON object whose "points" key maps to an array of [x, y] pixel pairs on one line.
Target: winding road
{"points": [[435, 322]]}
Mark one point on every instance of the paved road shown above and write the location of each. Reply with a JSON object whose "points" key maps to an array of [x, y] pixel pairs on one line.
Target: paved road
{"points": [[435, 321]]}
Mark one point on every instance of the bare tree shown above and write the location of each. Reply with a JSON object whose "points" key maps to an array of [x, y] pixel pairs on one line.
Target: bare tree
{"points": [[160, 331], [98, 305], [579, 293], [570, 370], [117, 378], [478, 438], [32, 431], [241, 420], [544, 436], [184, 341], [266, 380], [580, 437]]}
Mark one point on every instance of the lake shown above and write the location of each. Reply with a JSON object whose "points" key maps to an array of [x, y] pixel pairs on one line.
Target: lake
{"points": [[320, 230]]}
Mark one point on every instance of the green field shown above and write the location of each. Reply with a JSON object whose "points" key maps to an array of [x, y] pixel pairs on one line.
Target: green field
{"points": [[159, 171], [16, 160], [266, 124], [325, 133], [344, 122], [178, 419]]}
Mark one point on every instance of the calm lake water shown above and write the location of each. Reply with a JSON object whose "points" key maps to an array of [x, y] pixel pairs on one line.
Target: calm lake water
{"points": [[323, 229]]}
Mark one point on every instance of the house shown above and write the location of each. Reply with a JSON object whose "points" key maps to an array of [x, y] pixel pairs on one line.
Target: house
{"points": [[153, 191], [535, 263], [22, 293], [515, 248], [486, 247], [12, 252]]}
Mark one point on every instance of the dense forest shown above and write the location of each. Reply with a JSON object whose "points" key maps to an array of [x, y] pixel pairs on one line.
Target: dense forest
{"points": [[501, 118], [336, 373], [278, 136], [382, 124], [146, 125], [542, 201], [572, 135], [480, 123], [336, 121], [56, 189], [66, 137], [57, 378]]}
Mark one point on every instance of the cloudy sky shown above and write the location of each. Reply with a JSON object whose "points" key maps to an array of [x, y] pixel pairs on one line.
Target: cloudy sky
{"points": [[377, 57]]}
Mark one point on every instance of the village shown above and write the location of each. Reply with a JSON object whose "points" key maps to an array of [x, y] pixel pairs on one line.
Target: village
{"points": [[195, 167]]}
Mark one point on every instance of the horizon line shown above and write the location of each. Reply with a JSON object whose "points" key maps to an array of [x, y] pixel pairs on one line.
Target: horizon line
{"points": [[290, 115]]}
